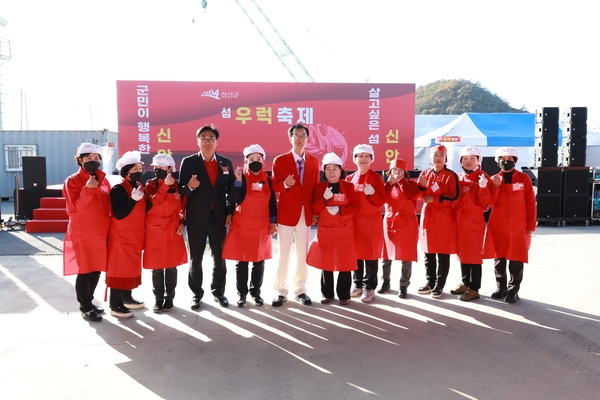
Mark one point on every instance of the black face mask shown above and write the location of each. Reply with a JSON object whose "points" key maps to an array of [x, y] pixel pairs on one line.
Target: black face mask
{"points": [[91, 166], [255, 166], [161, 173], [507, 165], [135, 176]]}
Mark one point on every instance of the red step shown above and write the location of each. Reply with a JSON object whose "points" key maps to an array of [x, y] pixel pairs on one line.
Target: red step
{"points": [[46, 226], [50, 213], [50, 217]]}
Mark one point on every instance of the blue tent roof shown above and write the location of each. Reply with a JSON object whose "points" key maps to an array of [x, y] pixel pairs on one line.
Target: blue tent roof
{"points": [[506, 129]]}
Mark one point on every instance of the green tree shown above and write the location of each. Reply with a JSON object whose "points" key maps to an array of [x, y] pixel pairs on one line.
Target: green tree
{"points": [[458, 96]]}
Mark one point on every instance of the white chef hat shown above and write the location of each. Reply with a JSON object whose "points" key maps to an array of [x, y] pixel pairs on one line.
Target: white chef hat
{"points": [[332, 158], [470, 151], [131, 157], [163, 160], [507, 151], [85, 148], [255, 148], [364, 148]]}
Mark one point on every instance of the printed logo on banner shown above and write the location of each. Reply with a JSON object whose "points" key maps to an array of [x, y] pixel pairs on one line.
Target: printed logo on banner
{"points": [[211, 93]]}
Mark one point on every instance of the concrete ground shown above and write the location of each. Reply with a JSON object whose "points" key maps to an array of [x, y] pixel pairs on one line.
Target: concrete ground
{"points": [[545, 346]]}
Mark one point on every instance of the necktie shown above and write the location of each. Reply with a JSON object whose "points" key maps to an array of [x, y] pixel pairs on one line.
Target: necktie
{"points": [[300, 170]]}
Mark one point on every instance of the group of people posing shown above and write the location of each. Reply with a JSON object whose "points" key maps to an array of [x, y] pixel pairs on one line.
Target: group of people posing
{"points": [[130, 226]]}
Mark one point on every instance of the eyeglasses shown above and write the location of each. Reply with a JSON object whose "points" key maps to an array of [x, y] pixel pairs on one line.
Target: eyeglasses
{"points": [[208, 139], [301, 137]]}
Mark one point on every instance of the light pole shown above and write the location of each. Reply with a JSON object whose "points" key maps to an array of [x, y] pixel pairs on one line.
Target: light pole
{"points": [[4, 57]]}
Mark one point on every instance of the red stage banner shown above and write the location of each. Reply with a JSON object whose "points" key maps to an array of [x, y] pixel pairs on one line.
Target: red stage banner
{"points": [[162, 117]]}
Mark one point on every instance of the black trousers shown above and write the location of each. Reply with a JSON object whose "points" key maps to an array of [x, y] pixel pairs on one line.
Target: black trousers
{"points": [[516, 275], [386, 267], [366, 274], [436, 275], [85, 286], [164, 282], [256, 277], [197, 241], [471, 275], [118, 298], [344, 282]]}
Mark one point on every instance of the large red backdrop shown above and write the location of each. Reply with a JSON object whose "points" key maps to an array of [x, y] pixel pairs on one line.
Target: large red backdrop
{"points": [[157, 117]]}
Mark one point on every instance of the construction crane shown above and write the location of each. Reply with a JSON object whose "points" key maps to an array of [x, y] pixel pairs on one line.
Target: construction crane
{"points": [[273, 39]]}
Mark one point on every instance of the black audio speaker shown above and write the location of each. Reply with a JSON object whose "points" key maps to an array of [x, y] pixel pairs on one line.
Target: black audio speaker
{"points": [[548, 181], [575, 114], [548, 206], [546, 144], [545, 159], [489, 165], [573, 159], [547, 114], [576, 206], [575, 129], [575, 143], [34, 172], [576, 181], [547, 129]]}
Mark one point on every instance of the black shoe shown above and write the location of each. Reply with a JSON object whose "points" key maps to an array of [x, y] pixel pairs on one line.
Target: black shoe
{"points": [[158, 306], [403, 293], [195, 304], [511, 299], [499, 294], [91, 315], [425, 289], [134, 304], [167, 305], [278, 301], [98, 309], [437, 292], [242, 301], [303, 299], [222, 300], [121, 312], [385, 286], [258, 300]]}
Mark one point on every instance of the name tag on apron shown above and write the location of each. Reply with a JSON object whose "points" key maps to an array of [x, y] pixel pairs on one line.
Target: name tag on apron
{"points": [[339, 197], [257, 186], [359, 187]]}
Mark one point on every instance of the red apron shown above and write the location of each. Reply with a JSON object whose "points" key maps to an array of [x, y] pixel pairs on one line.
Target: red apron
{"points": [[125, 245], [333, 248], [368, 224], [164, 247], [401, 228], [249, 237]]}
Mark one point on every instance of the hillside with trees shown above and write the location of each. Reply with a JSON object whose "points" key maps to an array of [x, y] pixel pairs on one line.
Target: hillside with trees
{"points": [[458, 96]]}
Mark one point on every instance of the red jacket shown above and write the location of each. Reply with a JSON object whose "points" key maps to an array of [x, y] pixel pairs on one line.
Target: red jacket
{"points": [[368, 225], [86, 241], [513, 213], [470, 225], [438, 223], [164, 248], [400, 226], [293, 199]]}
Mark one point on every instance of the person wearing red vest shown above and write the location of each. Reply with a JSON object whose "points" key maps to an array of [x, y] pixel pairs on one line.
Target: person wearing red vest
{"points": [[332, 249], [126, 236], [474, 198], [512, 221], [438, 187], [165, 248], [207, 179], [86, 193], [253, 223], [368, 224], [295, 175], [400, 224]]}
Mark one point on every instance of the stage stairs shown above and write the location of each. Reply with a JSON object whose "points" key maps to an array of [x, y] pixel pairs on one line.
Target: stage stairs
{"points": [[50, 217]]}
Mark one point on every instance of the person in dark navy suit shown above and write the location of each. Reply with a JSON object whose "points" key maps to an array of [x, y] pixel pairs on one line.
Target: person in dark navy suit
{"points": [[208, 180]]}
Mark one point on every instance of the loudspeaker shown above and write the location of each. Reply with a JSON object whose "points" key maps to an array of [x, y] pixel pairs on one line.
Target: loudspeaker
{"points": [[575, 143], [575, 114], [576, 206], [546, 144], [576, 181], [575, 129], [546, 114], [548, 206], [573, 159], [34, 172], [547, 180], [489, 165], [545, 159], [547, 129]]}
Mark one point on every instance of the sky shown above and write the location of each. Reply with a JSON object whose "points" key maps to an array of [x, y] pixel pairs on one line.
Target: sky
{"points": [[66, 56]]}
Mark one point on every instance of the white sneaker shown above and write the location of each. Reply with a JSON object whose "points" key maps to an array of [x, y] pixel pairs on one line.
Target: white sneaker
{"points": [[356, 292], [367, 296]]}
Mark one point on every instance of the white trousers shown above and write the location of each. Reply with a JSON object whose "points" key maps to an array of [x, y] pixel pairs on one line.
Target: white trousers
{"points": [[286, 235]]}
